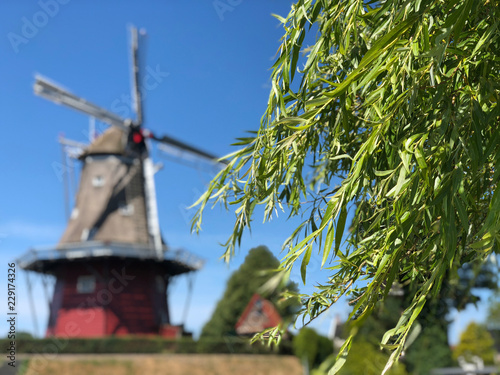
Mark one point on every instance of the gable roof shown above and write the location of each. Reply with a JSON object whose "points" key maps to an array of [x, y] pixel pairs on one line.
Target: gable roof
{"points": [[259, 314]]}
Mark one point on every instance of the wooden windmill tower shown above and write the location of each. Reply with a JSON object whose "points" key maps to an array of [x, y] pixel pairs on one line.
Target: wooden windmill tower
{"points": [[111, 266]]}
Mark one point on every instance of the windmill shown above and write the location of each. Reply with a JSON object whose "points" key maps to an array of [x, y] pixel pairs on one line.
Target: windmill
{"points": [[111, 265]]}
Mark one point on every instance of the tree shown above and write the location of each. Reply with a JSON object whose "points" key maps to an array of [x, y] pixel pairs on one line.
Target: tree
{"points": [[493, 320], [392, 115], [367, 359], [241, 286], [311, 346], [429, 351], [475, 341], [431, 348]]}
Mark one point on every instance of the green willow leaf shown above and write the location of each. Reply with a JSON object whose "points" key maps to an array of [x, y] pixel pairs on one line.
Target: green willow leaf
{"points": [[339, 232], [330, 234], [389, 111], [305, 262]]}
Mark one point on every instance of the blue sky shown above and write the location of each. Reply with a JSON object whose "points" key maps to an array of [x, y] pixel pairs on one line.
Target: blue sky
{"points": [[210, 65]]}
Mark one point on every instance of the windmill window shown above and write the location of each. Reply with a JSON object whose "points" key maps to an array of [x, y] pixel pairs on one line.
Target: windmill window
{"points": [[160, 284], [126, 209], [88, 235], [85, 284], [85, 234], [98, 181]]}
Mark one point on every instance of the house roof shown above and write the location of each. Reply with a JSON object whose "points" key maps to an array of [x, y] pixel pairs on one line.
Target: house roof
{"points": [[259, 314]]}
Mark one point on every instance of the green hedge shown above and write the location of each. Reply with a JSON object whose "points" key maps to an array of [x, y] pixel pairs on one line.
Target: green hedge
{"points": [[235, 344], [139, 344], [104, 345]]}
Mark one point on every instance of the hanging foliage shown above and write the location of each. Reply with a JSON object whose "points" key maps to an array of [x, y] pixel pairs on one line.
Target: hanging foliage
{"points": [[391, 113]]}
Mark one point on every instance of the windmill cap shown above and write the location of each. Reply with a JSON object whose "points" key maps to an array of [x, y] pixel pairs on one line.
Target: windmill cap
{"points": [[112, 141]]}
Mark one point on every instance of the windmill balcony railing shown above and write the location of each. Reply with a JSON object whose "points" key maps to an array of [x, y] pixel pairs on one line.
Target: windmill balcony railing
{"points": [[109, 249]]}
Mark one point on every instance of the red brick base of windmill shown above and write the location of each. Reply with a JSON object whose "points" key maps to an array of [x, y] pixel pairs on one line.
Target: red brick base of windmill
{"points": [[93, 299]]}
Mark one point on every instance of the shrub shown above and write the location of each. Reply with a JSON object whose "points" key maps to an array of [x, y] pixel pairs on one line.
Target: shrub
{"points": [[309, 345]]}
